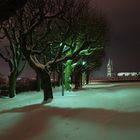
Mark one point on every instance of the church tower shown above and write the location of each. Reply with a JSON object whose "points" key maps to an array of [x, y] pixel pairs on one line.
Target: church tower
{"points": [[109, 68]]}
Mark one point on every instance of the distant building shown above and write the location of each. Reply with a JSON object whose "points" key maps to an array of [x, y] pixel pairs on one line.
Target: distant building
{"points": [[109, 68], [126, 74], [110, 72]]}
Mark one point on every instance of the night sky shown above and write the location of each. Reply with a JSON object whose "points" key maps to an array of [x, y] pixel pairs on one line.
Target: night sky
{"points": [[124, 22], [123, 18]]}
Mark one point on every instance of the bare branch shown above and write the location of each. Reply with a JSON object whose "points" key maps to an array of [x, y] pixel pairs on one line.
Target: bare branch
{"points": [[7, 50], [37, 23], [6, 59], [10, 40], [22, 68], [2, 37]]}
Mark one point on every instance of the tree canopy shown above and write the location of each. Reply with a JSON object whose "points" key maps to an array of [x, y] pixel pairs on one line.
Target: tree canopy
{"points": [[50, 33]]}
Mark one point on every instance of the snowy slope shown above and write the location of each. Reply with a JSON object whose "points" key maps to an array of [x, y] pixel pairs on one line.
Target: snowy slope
{"points": [[97, 112]]}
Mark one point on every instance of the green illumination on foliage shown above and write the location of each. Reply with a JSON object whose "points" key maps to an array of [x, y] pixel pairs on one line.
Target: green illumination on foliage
{"points": [[67, 75], [86, 52], [61, 44]]}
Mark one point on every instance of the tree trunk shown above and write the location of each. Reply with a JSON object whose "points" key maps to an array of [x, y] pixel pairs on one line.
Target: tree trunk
{"points": [[46, 85], [54, 81], [77, 80], [12, 84], [59, 79], [44, 75], [38, 82], [81, 79], [87, 77]]}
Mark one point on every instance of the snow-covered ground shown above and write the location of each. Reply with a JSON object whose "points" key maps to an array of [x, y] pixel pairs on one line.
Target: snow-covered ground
{"points": [[97, 112]]}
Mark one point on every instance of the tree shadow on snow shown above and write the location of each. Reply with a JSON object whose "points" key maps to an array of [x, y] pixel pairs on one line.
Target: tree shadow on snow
{"points": [[37, 119]]}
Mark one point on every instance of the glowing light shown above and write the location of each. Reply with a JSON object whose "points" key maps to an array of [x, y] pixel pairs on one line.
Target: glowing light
{"points": [[83, 63]]}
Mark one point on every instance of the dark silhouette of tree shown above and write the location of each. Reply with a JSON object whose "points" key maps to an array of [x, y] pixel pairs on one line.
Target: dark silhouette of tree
{"points": [[51, 34], [72, 35], [9, 7], [87, 64], [12, 55], [26, 21], [93, 30], [48, 30]]}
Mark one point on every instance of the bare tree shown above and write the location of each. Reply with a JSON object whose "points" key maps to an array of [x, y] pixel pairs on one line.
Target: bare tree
{"points": [[20, 30], [60, 24], [12, 55], [47, 30], [35, 14]]}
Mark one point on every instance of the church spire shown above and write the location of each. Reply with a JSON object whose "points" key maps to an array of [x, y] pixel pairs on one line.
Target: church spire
{"points": [[109, 68]]}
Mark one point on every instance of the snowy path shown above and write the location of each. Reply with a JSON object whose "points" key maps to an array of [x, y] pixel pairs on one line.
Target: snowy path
{"points": [[99, 112]]}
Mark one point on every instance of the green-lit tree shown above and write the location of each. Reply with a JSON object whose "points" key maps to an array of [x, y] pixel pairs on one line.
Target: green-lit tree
{"points": [[45, 45], [85, 66], [72, 35], [93, 30]]}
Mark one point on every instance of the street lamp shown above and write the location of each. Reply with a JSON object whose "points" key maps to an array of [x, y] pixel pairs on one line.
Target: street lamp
{"points": [[83, 63]]}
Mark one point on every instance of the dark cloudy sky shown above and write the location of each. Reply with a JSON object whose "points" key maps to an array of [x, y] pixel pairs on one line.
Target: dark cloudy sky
{"points": [[124, 23], [123, 18]]}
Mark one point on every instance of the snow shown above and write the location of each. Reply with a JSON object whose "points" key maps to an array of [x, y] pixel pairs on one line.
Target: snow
{"points": [[96, 112]]}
